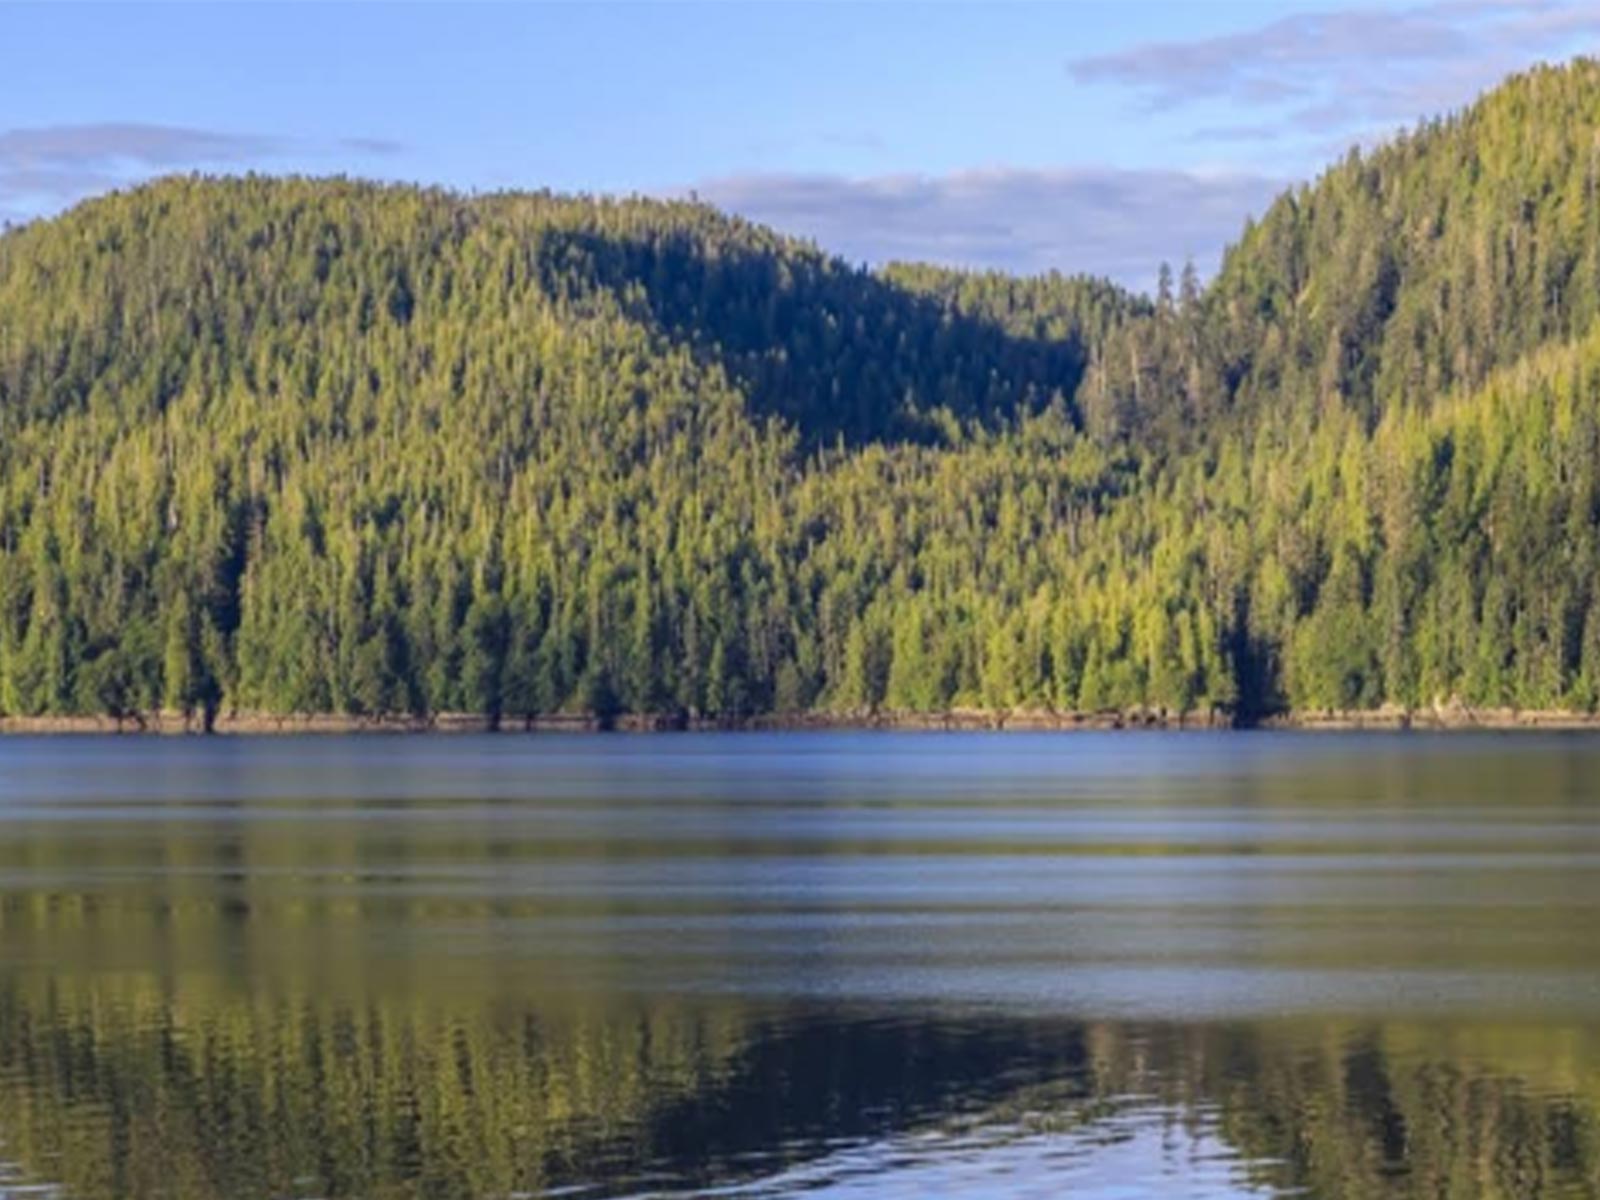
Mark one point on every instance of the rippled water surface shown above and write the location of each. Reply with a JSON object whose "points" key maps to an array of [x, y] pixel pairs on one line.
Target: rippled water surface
{"points": [[837, 965]]}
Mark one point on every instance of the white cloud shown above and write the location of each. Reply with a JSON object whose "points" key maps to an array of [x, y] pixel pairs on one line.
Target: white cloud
{"points": [[1349, 71], [46, 167], [1099, 220]]}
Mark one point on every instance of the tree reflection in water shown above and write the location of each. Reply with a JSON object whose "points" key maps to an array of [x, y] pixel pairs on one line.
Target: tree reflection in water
{"points": [[128, 1090]]}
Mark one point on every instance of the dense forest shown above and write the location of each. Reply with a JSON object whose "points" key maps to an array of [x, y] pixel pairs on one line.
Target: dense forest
{"points": [[321, 446]]}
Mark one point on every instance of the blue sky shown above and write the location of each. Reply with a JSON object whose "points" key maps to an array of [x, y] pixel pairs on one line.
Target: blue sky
{"points": [[1079, 136]]}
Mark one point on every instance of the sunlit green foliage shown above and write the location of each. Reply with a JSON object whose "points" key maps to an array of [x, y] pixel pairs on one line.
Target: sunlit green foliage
{"points": [[294, 445]]}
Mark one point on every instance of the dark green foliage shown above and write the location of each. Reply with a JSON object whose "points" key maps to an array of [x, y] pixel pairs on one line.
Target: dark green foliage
{"points": [[292, 445]]}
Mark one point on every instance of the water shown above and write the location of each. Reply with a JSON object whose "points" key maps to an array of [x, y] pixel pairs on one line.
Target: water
{"points": [[834, 965]]}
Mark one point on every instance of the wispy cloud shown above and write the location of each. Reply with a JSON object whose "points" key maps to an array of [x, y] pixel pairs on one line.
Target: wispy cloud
{"points": [[1347, 71], [46, 167], [372, 145], [150, 145], [1100, 220]]}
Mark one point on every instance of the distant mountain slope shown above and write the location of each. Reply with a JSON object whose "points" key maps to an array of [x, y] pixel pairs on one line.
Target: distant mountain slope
{"points": [[129, 298], [321, 446], [303, 445], [1397, 276]]}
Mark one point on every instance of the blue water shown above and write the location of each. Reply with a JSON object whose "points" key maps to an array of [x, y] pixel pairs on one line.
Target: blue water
{"points": [[855, 964]]}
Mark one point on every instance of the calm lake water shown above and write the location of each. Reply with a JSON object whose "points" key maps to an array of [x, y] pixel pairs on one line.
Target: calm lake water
{"points": [[844, 965]]}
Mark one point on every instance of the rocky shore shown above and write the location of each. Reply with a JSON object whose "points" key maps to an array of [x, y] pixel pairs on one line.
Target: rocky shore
{"points": [[1453, 715]]}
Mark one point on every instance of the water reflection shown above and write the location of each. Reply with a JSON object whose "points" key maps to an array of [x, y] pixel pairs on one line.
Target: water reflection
{"points": [[144, 1094], [842, 966]]}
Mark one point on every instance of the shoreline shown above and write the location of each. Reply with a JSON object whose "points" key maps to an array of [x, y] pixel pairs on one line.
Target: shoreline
{"points": [[269, 724], [1389, 718]]}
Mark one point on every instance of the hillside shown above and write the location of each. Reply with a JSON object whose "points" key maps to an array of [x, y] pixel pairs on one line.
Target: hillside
{"points": [[289, 446], [1397, 277]]}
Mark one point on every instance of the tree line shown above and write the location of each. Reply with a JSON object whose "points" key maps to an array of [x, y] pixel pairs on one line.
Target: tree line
{"points": [[291, 445]]}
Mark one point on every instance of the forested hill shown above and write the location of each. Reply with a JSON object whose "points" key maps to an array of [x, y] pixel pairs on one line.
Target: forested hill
{"points": [[1397, 277], [290, 446]]}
